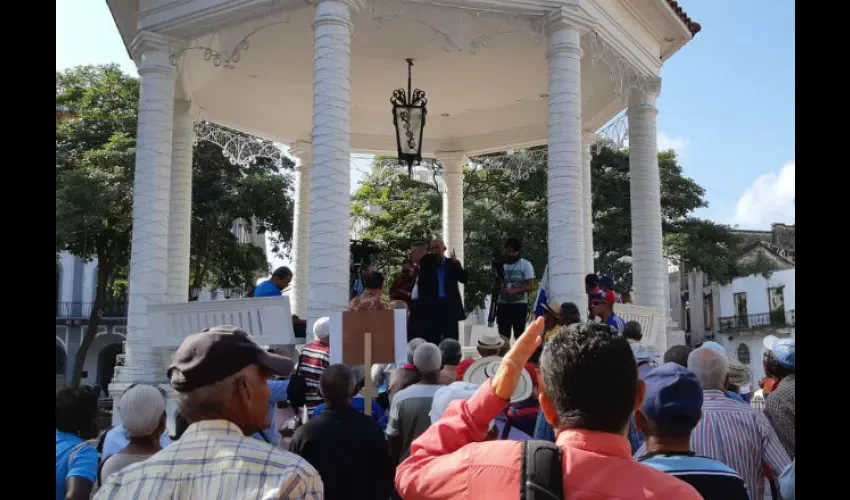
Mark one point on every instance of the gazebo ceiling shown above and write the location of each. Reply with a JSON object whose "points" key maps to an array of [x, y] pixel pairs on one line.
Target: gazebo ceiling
{"points": [[485, 73], [485, 77]]}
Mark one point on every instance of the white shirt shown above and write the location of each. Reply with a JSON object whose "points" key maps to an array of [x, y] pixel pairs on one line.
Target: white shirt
{"points": [[516, 274]]}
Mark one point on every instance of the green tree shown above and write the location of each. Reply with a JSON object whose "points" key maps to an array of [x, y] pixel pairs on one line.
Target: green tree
{"points": [[257, 195], [95, 154]]}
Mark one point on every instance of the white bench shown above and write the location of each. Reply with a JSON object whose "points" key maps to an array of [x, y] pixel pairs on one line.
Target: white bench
{"points": [[268, 320]]}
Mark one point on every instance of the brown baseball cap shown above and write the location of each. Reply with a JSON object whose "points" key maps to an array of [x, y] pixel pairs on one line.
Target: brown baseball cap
{"points": [[216, 353]]}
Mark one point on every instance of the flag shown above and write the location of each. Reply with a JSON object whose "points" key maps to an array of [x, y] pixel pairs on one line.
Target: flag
{"points": [[541, 293]]}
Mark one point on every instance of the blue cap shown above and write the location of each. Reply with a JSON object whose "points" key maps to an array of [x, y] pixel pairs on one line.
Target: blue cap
{"points": [[673, 395], [782, 350], [607, 281]]}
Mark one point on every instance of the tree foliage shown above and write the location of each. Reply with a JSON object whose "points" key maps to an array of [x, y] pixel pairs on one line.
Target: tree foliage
{"points": [[398, 210], [95, 153], [257, 196]]}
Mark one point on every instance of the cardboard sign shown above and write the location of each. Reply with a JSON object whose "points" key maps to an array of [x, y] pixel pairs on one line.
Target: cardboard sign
{"points": [[389, 336]]}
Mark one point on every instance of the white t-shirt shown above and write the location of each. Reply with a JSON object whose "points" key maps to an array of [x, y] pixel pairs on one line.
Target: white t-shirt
{"points": [[516, 275]]}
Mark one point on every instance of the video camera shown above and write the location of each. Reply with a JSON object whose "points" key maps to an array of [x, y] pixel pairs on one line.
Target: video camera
{"points": [[363, 250], [361, 256]]}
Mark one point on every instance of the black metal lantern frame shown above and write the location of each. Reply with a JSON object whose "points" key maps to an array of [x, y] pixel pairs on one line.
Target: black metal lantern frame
{"points": [[409, 112]]}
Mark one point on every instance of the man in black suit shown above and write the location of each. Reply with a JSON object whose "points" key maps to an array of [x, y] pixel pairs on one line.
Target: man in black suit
{"points": [[437, 304]]}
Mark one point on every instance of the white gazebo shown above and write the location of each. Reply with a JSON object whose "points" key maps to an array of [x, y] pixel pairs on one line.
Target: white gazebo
{"points": [[318, 75]]}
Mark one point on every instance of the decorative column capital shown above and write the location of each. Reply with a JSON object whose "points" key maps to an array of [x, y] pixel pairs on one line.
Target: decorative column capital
{"points": [[646, 94], [336, 12], [570, 15], [452, 160], [152, 51]]}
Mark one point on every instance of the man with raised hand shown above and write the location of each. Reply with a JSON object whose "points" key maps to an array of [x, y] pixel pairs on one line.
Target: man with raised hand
{"points": [[450, 459]]}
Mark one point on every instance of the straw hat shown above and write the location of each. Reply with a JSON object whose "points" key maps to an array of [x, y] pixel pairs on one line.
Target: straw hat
{"points": [[482, 369]]}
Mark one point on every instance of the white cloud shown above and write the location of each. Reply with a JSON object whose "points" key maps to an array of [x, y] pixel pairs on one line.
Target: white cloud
{"points": [[769, 199], [666, 142]]}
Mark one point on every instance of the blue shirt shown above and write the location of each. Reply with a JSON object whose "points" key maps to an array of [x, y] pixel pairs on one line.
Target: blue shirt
{"points": [[359, 403], [542, 429], [116, 439], [267, 289], [786, 482], [278, 393], [735, 396], [82, 464], [441, 280], [616, 322]]}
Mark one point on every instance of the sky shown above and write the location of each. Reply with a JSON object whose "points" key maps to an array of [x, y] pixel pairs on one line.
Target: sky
{"points": [[727, 103]]}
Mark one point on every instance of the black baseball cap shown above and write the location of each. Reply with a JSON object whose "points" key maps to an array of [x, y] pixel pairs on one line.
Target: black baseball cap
{"points": [[216, 353]]}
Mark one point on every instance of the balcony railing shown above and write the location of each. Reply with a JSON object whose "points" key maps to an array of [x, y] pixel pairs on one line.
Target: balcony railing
{"points": [[81, 310], [778, 319]]}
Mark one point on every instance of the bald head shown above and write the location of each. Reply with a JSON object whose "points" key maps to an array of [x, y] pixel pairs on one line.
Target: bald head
{"points": [[337, 384], [438, 247], [710, 367]]}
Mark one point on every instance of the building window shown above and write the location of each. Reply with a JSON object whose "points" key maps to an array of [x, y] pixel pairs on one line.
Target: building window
{"points": [[741, 309], [776, 302], [744, 354], [708, 312]]}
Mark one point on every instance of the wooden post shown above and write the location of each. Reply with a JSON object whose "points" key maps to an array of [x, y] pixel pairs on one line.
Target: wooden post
{"points": [[367, 374]]}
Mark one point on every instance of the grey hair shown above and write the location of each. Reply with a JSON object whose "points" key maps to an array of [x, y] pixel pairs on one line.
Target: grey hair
{"points": [[411, 347], [710, 367], [212, 399], [427, 358]]}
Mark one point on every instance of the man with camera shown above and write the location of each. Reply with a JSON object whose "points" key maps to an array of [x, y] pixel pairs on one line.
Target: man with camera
{"points": [[518, 281]]}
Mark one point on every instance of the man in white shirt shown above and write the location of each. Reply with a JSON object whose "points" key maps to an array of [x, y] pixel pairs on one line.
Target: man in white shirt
{"points": [[512, 311]]}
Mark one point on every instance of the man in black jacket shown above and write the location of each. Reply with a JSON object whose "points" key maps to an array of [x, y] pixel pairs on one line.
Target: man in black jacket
{"points": [[345, 446], [437, 304]]}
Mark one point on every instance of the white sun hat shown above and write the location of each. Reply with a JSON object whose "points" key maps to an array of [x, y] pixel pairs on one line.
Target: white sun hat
{"points": [[484, 368]]}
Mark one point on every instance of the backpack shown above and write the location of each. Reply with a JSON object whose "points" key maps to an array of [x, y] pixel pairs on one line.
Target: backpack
{"points": [[296, 392], [542, 472]]}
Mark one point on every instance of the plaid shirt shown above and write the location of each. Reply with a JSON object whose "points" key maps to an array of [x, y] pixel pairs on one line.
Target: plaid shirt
{"points": [[213, 459], [367, 301], [780, 410]]}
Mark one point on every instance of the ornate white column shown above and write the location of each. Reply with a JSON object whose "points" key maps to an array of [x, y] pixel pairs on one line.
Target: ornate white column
{"points": [[301, 227], [566, 228], [148, 283], [329, 192], [647, 257], [588, 139], [180, 206], [453, 162]]}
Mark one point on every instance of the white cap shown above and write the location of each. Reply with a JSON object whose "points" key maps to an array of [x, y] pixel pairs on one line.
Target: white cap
{"points": [[141, 409], [322, 328]]}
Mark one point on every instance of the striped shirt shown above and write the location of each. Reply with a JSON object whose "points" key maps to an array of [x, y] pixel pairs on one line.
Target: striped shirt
{"points": [[738, 436], [315, 357], [214, 460]]}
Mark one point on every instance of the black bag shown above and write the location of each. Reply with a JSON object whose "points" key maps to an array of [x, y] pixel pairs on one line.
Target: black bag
{"points": [[296, 392], [542, 473]]}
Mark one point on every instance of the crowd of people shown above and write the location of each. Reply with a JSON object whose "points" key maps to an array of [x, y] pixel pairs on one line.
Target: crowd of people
{"points": [[561, 409]]}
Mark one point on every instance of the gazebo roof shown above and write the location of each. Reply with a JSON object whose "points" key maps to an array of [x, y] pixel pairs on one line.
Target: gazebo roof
{"points": [[482, 63]]}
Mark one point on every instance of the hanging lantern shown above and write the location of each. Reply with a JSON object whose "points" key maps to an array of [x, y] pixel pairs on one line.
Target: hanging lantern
{"points": [[409, 111]]}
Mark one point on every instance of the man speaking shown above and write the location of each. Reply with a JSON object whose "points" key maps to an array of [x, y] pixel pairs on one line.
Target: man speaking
{"points": [[437, 301]]}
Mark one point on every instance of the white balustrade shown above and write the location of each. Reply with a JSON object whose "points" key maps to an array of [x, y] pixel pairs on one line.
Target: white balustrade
{"points": [[268, 320]]}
